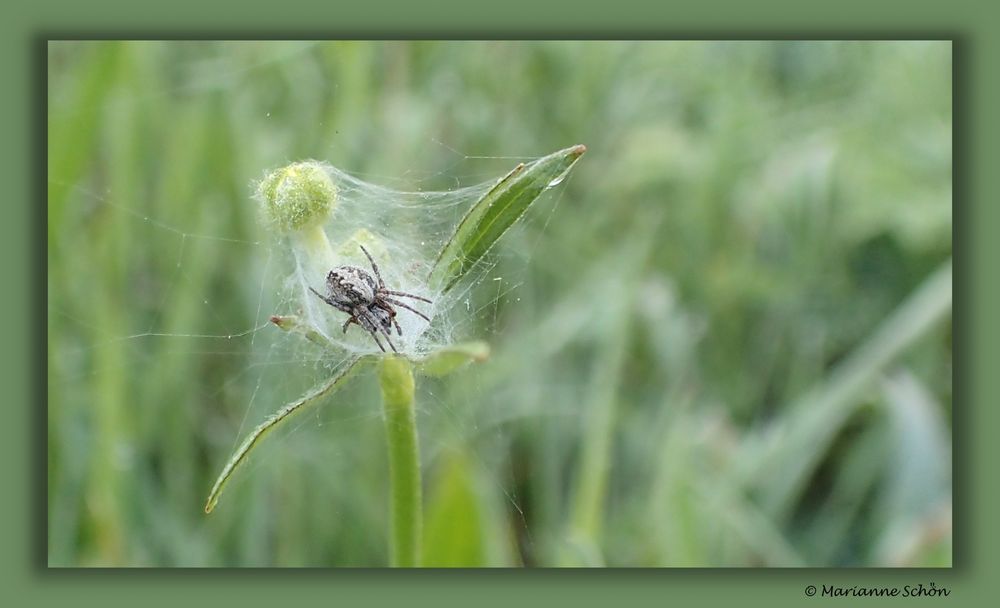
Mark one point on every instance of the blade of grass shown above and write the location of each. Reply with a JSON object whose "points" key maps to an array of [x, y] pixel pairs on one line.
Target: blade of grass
{"points": [[863, 465], [745, 521], [600, 416], [76, 125], [914, 507], [780, 461]]}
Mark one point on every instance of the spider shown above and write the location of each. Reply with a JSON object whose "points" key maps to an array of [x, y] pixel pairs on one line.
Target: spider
{"points": [[353, 290]]}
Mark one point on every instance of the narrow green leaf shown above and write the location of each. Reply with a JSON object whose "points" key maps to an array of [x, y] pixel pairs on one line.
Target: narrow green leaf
{"points": [[497, 211], [454, 522], [446, 360], [241, 453]]}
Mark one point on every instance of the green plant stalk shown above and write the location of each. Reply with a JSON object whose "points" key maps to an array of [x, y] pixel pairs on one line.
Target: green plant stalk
{"points": [[590, 492], [104, 488], [396, 380], [315, 243]]}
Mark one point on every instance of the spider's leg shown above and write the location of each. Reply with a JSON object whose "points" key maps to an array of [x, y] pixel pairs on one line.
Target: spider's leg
{"points": [[364, 319], [408, 295], [414, 310], [331, 301], [378, 275], [321, 296], [375, 325], [347, 324], [391, 345], [392, 315], [358, 316], [367, 325], [375, 337]]}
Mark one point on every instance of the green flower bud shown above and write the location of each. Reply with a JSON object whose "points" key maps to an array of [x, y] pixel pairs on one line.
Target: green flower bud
{"points": [[297, 197]]}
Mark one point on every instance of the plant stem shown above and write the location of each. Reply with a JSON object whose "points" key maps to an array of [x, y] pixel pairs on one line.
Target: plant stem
{"points": [[317, 247], [396, 379]]}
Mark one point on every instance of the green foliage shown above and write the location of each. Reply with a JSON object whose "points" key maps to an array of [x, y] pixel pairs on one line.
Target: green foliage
{"points": [[464, 518], [297, 198], [446, 360], [725, 339], [497, 211], [312, 397]]}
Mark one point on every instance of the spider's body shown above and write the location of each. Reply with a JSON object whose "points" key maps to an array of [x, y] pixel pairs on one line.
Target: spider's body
{"points": [[351, 285], [365, 297]]}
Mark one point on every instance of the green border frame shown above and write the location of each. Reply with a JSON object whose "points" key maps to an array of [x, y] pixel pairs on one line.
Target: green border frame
{"points": [[24, 577]]}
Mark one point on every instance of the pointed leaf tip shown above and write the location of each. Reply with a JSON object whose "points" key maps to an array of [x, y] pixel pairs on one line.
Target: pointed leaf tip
{"points": [[491, 216]]}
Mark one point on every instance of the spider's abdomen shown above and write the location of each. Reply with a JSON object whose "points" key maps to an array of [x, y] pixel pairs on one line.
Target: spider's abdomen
{"points": [[351, 286]]}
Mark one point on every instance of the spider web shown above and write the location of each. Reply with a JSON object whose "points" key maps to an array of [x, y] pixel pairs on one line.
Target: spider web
{"points": [[404, 232], [404, 227], [409, 229]]}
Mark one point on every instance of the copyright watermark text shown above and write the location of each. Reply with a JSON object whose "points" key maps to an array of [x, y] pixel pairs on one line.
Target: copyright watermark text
{"points": [[918, 590]]}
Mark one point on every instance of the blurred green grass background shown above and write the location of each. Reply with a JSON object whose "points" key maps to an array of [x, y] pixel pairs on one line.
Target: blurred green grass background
{"points": [[727, 342]]}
